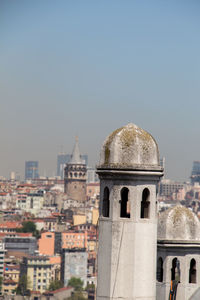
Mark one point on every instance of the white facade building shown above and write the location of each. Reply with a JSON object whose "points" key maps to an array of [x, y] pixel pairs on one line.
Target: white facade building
{"points": [[32, 203], [2, 255]]}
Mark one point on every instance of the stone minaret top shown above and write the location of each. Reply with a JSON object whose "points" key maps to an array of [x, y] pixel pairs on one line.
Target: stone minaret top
{"points": [[178, 223], [129, 147], [129, 172]]}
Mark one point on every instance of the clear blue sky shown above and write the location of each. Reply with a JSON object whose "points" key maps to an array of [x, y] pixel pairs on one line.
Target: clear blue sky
{"points": [[85, 68]]}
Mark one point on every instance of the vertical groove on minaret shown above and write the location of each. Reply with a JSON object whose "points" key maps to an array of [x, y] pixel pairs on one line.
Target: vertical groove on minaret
{"points": [[118, 261]]}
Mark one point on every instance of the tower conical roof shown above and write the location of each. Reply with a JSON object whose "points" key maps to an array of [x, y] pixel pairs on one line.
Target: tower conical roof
{"points": [[76, 157]]}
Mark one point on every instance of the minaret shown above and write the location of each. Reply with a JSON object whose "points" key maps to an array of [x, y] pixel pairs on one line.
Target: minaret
{"points": [[178, 258], [129, 172], [75, 176]]}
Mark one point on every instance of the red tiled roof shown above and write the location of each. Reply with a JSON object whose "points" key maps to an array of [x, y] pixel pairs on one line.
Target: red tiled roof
{"points": [[38, 220], [58, 291], [15, 234], [9, 281], [17, 267], [35, 292], [57, 214], [16, 254], [11, 225], [26, 184]]}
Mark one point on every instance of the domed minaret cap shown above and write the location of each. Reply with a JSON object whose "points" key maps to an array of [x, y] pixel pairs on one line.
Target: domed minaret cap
{"points": [[178, 223], [129, 147]]}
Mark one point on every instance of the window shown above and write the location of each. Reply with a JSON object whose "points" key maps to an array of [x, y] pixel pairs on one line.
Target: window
{"points": [[145, 204], [125, 204], [159, 273], [106, 203], [175, 270], [192, 272]]}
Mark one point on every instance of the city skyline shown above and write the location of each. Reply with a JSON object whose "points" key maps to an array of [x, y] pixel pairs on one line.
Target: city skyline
{"points": [[83, 68]]}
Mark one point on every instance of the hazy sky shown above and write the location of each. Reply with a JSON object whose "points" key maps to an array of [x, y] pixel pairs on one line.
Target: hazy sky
{"points": [[85, 68]]}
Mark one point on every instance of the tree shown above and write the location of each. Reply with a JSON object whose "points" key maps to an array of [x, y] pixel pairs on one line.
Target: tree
{"points": [[29, 226], [90, 286], [23, 285], [76, 283], [55, 285]]}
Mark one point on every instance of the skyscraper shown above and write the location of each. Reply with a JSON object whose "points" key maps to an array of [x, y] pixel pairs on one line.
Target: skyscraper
{"points": [[63, 159], [195, 176], [31, 170]]}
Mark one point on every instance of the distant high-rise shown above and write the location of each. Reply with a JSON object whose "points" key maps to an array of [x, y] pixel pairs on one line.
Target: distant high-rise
{"points": [[84, 157], [31, 170], [91, 175], [195, 175], [63, 159], [12, 176]]}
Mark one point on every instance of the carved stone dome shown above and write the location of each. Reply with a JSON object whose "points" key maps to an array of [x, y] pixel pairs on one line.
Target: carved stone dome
{"points": [[129, 147], [178, 223]]}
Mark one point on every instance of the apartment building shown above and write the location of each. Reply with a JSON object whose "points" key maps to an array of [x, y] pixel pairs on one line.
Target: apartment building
{"points": [[22, 243], [74, 239], [168, 187], [10, 226], [9, 288], [11, 269], [50, 243], [74, 264], [2, 257], [32, 202], [38, 270]]}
